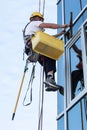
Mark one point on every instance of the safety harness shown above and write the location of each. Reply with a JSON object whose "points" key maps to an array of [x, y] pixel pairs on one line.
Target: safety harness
{"points": [[32, 56]]}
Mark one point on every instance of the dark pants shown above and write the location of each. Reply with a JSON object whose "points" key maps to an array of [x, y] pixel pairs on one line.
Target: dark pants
{"points": [[76, 76], [49, 64]]}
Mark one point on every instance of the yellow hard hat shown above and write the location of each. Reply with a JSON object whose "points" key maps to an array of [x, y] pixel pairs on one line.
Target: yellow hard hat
{"points": [[36, 14]]}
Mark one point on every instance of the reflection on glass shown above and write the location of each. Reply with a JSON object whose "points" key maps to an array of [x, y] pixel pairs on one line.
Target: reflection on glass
{"points": [[60, 124], [77, 116], [60, 82], [77, 83]]}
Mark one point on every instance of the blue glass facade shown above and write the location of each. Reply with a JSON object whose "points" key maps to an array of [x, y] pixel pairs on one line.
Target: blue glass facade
{"points": [[72, 67]]}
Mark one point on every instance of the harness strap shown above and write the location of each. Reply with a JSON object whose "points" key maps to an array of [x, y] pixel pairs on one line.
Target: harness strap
{"points": [[32, 56], [25, 29], [27, 38]]}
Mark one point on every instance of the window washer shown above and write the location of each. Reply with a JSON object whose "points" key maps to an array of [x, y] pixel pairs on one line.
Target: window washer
{"points": [[36, 23]]}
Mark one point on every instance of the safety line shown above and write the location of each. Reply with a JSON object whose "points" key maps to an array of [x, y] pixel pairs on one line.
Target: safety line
{"points": [[40, 91], [43, 7], [40, 123], [39, 5]]}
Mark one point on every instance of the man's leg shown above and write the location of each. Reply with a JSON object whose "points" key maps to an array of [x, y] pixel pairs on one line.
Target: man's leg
{"points": [[50, 69]]}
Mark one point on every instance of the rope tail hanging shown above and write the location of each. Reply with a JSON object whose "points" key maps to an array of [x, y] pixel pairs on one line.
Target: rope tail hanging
{"points": [[40, 123], [40, 88]]}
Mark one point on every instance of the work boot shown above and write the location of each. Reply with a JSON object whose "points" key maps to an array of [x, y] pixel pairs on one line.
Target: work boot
{"points": [[51, 84]]}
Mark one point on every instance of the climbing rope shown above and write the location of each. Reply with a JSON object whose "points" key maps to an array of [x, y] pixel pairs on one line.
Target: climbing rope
{"points": [[43, 6], [40, 88], [40, 123], [39, 5], [41, 99]]}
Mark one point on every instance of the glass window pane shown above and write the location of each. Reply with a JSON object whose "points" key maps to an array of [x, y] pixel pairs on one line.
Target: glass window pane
{"points": [[84, 112], [84, 3], [59, 14], [74, 118], [77, 116], [60, 82], [60, 124], [71, 6]]}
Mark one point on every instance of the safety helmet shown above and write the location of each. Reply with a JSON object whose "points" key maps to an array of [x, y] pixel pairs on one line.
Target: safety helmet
{"points": [[36, 14]]}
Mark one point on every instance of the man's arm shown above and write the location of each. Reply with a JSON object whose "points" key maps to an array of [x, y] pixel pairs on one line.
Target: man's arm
{"points": [[53, 26], [59, 34]]}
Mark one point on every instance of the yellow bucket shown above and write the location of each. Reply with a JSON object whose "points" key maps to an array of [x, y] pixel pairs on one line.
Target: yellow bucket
{"points": [[47, 45]]}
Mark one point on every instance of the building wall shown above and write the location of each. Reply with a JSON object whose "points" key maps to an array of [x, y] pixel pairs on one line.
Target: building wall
{"points": [[72, 105]]}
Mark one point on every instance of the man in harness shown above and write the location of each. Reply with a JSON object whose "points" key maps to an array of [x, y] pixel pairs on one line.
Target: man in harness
{"points": [[36, 23]]}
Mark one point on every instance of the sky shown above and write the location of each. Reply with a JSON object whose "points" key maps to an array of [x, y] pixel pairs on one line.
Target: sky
{"points": [[14, 16]]}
